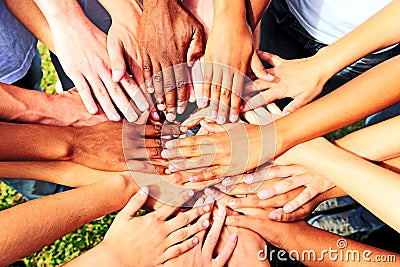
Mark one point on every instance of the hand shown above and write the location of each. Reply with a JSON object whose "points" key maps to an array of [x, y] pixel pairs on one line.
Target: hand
{"points": [[100, 147], [153, 238], [87, 63], [70, 111], [246, 150], [170, 36], [224, 70], [300, 79], [203, 255]]}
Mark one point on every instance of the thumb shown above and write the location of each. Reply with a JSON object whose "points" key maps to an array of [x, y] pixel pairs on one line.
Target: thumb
{"points": [[134, 204], [196, 46], [116, 53], [256, 86], [258, 68], [294, 105], [212, 127], [272, 59], [263, 98]]}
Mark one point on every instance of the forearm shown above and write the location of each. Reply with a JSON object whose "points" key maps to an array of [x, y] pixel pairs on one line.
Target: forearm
{"points": [[65, 173], [29, 142], [35, 224], [316, 247], [28, 13], [372, 186], [376, 89], [235, 9], [378, 142], [363, 40]]}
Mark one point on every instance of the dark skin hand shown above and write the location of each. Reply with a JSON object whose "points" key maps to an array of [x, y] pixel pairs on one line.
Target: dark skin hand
{"points": [[170, 36]]}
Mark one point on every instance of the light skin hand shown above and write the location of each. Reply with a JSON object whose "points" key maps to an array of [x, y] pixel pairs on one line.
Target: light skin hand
{"points": [[224, 72], [155, 238], [300, 79], [87, 62], [212, 150], [170, 36], [203, 255]]}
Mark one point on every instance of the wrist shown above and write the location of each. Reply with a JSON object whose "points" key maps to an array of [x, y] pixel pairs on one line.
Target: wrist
{"points": [[325, 62], [231, 8], [130, 8]]}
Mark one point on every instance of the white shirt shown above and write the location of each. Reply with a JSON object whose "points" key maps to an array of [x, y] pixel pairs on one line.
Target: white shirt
{"points": [[329, 20]]}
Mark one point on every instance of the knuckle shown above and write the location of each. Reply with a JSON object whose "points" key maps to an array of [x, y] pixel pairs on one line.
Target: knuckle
{"points": [[157, 77]]}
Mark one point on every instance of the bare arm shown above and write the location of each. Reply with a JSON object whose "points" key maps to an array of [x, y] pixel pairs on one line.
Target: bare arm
{"points": [[27, 12], [30, 226], [28, 106]]}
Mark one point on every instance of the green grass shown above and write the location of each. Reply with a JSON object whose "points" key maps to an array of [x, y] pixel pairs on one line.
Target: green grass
{"points": [[89, 235]]}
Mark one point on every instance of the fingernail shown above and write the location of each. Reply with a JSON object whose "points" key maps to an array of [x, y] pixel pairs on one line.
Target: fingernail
{"points": [[221, 120], [234, 118], [276, 216], [115, 117], [144, 191], [165, 154], [288, 208], [198, 203], [209, 192], [202, 102], [249, 179], [232, 203], [172, 167], [285, 113], [169, 145], [209, 200], [195, 240], [193, 179], [263, 194], [171, 117], [143, 106], [181, 108], [226, 181], [155, 115], [269, 77], [241, 107], [213, 114], [93, 110], [190, 193], [206, 223], [233, 237], [149, 86], [221, 212], [167, 171], [184, 129], [116, 75], [206, 208], [161, 107]]}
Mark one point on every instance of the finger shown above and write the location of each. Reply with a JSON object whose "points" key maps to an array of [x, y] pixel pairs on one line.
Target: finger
{"points": [[236, 97], [141, 166], [147, 73], [240, 221], [257, 86], [227, 251], [280, 216], [258, 68], [179, 249], [263, 98], [225, 97], [197, 79], [294, 105], [182, 86], [135, 92], [134, 204], [103, 98], [272, 59], [281, 187], [214, 233], [158, 87], [185, 218], [120, 100], [211, 173], [188, 152], [188, 141], [207, 82], [170, 93], [300, 200], [115, 50], [215, 92], [167, 210], [85, 93], [186, 232], [194, 163], [196, 46]]}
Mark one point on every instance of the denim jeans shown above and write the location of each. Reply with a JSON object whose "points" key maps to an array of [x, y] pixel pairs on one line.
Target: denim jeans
{"points": [[282, 34]]}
